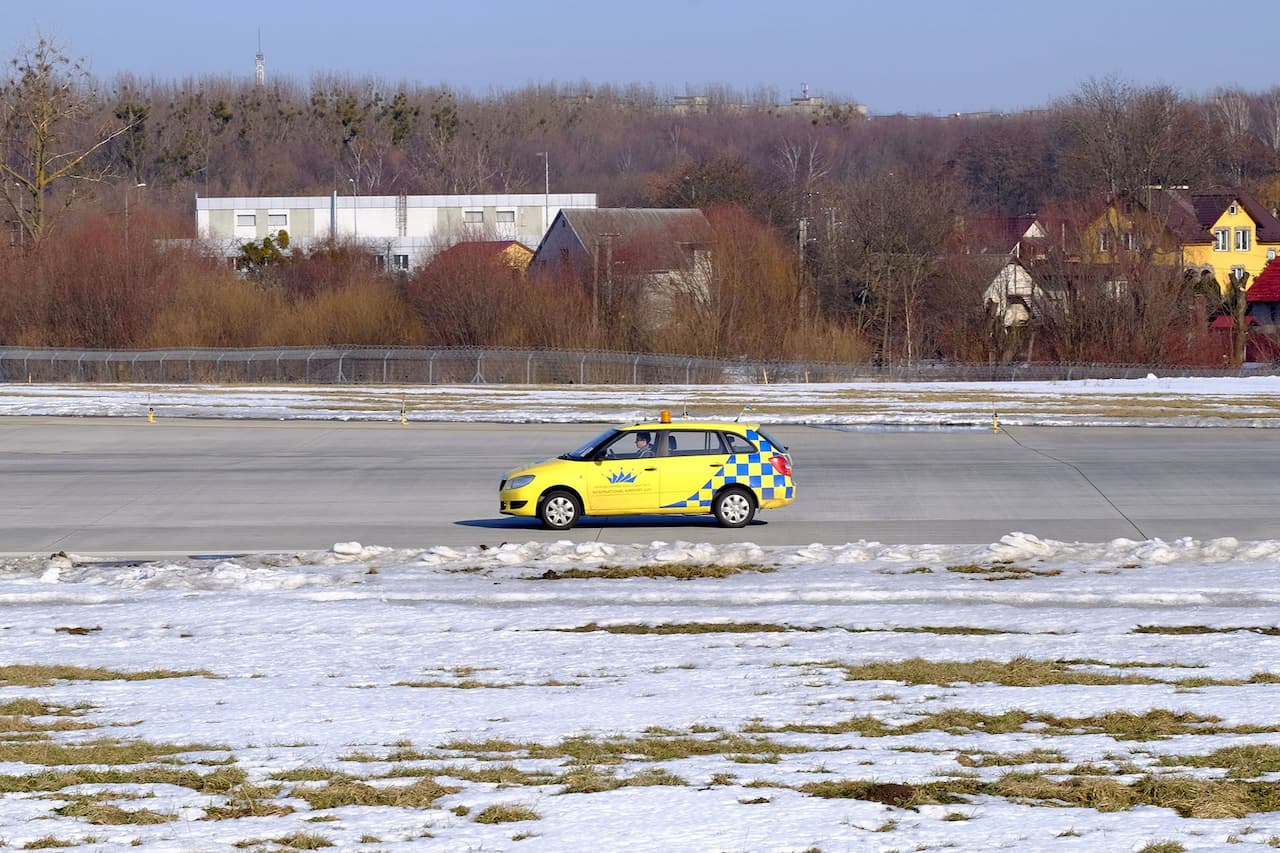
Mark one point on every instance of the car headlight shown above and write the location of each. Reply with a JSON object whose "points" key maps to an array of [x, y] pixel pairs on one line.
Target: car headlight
{"points": [[520, 482]]}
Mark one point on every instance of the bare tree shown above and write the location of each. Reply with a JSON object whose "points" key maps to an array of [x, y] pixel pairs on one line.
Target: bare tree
{"points": [[1269, 123], [1121, 139], [1235, 121], [48, 109]]}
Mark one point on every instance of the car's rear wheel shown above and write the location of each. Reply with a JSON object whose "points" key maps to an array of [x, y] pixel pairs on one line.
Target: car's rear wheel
{"points": [[733, 508], [559, 510]]}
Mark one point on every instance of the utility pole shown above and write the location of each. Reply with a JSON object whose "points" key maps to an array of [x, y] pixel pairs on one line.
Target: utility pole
{"points": [[546, 191], [128, 255], [608, 275], [595, 276], [355, 208]]}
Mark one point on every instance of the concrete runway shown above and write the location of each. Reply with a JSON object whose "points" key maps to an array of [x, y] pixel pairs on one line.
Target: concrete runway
{"points": [[128, 488]]}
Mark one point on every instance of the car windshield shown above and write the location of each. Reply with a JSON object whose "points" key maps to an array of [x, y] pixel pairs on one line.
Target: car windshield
{"points": [[777, 445], [584, 452]]}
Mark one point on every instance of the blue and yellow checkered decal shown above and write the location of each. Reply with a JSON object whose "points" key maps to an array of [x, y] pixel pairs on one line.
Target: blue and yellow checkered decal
{"points": [[748, 469]]}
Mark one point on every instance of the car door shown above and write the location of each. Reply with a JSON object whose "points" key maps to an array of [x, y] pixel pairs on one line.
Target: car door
{"points": [[693, 457], [622, 478]]}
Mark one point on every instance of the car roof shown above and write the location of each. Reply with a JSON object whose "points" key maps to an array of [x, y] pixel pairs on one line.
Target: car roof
{"points": [[732, 426]]}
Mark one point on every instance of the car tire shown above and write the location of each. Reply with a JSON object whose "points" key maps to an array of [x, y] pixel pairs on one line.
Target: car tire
{"points": [[734, 507], [559, 509]]}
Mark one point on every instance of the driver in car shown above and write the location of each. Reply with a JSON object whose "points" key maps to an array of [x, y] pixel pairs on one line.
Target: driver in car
{"points": [[643, 447]]}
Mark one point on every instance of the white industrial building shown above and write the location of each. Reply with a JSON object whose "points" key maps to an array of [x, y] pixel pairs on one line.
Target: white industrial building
{"points": [[401, 231]]}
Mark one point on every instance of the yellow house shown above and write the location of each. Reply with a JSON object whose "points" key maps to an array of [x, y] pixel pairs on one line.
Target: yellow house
{"points": [[1221, 231]]}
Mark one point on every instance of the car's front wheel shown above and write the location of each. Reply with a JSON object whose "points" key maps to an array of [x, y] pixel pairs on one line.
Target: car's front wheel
{"points": [[559, 510], [733, 508]]}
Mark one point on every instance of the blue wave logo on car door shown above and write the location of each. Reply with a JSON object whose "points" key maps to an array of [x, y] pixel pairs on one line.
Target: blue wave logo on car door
{"points": [[622, 477]]}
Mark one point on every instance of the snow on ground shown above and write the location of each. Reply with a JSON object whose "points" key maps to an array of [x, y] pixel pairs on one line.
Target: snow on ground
{"points": [[651, 712], [1025, 694], [1252, 401]]}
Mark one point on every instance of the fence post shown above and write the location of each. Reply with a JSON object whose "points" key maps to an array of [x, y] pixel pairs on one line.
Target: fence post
{"points": [[431, 370], [635, 371], [582, 371], [528, 370], [80, 368], [386, 354]]}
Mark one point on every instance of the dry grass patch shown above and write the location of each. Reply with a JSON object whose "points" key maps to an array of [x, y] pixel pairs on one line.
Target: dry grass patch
{"points": [[218, 782], [1023, 672], [1191, 798], [296, 841], [678, 571], [1240, 762], [590, 750], [592, 780], [1013, 759], [420, 795], [43, 675], [688, 628], [1001, 571], [102, 751], [1179, 630], [311, 774], [1122, 725], [659, 746], [507, 813], [49, 842], [94, 811]]}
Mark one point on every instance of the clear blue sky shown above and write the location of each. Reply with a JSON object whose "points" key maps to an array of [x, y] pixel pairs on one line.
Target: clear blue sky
{"points": [[929, 56]]}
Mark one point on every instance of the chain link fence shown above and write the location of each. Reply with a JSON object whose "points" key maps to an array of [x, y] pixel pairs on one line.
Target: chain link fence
{"points": [[467, 366]]}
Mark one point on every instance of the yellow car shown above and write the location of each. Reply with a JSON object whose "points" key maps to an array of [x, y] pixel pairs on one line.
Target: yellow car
{"points": [[686, 468]]}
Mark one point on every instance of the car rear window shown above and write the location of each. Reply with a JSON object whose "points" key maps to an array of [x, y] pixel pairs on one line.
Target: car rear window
{"points": [[777, 445], [690, 442], [738, 444]]}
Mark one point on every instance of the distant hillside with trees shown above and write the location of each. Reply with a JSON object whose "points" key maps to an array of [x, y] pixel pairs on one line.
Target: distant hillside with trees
{"points": [[852, 229]]}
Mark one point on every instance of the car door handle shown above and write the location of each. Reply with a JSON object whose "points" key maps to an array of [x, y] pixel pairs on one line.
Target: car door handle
{"points": [[651, 469]]}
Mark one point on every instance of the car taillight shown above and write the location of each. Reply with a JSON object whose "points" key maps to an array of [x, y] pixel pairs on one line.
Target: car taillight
{"points": [[781, 464]]}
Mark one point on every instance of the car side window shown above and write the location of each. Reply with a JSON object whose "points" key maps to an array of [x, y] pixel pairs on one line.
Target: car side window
{"points": [[694, 442], [738, 444], [631, 445]]}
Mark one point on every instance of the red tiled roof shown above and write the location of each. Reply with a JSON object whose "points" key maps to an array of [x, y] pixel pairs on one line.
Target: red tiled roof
{"points": [[1180, 215], [1222, 321], [997, 234], [1211, 204], [1266, 287]]}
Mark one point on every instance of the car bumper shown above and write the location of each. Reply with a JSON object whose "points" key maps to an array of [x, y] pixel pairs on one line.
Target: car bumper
{"points": [[517, 502]]}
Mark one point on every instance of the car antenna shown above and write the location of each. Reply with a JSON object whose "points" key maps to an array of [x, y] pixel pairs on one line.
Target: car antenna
{"points": [[745, 409]]}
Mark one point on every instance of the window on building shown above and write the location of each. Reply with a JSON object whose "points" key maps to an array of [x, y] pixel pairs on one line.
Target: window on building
{"points": [[506, 217], [1104, 240], [1238, 273], [473, 217], [278, 220], [1271, 254], [379, 262], [400, 262], [248, 220], [1130, 241], [1244, 239], [1233, 209], [1221, 238]]}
